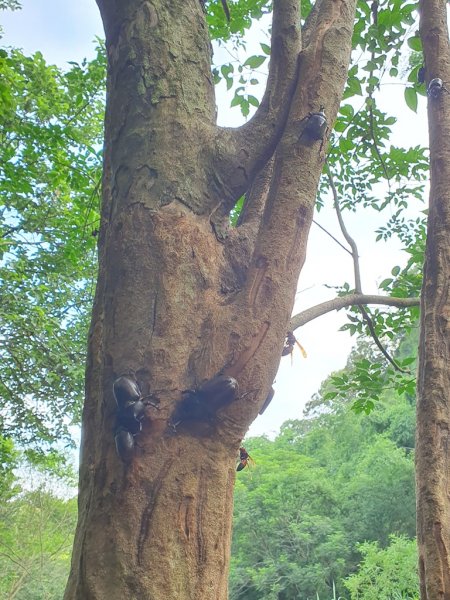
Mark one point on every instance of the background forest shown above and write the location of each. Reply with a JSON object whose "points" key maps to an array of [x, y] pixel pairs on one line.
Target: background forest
{"points": [[328, 509]]}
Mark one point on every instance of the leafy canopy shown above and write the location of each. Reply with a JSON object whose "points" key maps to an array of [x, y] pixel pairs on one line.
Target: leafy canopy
{"points": [[51, 130]]}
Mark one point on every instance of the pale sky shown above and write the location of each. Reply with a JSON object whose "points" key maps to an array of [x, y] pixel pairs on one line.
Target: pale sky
{"points": [[64, 31]]}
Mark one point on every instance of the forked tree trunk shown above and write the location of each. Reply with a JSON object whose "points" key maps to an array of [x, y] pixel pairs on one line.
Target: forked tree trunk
{"points": [[179, 301], [433, 406]]}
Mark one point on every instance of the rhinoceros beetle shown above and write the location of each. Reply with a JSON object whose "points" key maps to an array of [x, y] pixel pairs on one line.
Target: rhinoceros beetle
{"points": [[316, 125], [436, 87], [203, 403], [126, 390], [131, 418], [421, 74], [124, 444], [219, 390], [133, 410], [130, 413], [267, 401]]}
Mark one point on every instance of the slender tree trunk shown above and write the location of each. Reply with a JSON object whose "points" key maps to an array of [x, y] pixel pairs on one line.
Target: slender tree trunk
{"points": [[433, 407], [179, 300]]}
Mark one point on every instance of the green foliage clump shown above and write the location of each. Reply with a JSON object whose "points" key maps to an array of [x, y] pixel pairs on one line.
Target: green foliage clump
{"points": [[368, 377], [386, 573], [327, 485], [9, 459], [286, 540], [36, 535], [51, 129]]}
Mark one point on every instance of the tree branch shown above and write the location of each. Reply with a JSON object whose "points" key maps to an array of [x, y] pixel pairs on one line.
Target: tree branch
{"points": [[241, 153], [318, 310], [297, 167], [331, 236], [350, 241], [280, 246], [358, 287], [354, 252], [376, 339]]}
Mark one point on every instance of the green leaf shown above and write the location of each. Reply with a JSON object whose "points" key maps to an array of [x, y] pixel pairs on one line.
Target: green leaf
{"points": [[347, 110], [411, 98], [415, 43], [385, 283], [245, 107], [255, 61], [237, 100], [227, 70]]}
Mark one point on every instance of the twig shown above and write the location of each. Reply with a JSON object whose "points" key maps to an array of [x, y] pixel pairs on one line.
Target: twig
{"points": [[382, 349], [372, 130], [378, 153], [331, 236], [351, 242]]}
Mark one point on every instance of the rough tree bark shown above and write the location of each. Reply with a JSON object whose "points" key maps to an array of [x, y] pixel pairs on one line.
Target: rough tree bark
{"points": [[179, 299], [433, 406]]}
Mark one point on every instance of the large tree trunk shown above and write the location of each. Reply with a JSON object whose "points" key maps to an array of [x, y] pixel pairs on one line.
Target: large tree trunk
{"points": [[179, 301], [433, 406]]}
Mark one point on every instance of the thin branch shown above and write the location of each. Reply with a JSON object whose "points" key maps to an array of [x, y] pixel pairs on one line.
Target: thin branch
{"points": [[10, 230], [11, 557], [340, 302], [17, 584], [377, 150], [351, 242], [377, 341], [358, 287], [331, 236]]}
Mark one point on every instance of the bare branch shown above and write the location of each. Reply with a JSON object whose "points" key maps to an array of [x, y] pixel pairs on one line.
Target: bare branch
{"points": [[318, 310], [242, 152], [331, 236], [358, 287], [297, 167], [351, 242]]}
